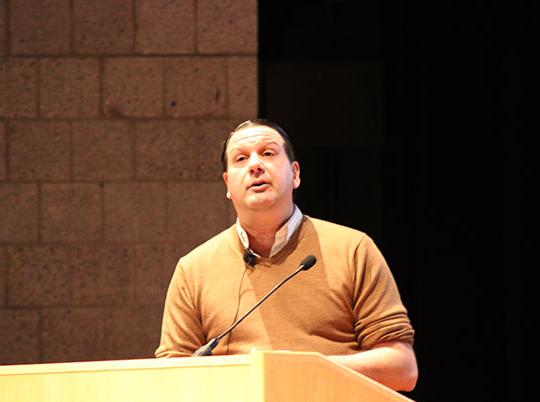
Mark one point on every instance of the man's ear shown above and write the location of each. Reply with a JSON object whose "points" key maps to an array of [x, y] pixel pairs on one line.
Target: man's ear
{"points": [[225, 179], [296, 174]]}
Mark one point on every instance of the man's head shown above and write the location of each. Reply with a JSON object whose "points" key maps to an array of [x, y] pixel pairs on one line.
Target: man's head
{"points": [[289, 150], [259, 168]]}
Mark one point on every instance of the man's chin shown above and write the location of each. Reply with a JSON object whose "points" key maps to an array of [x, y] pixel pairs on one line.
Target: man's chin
{"points": [[260, 202]]}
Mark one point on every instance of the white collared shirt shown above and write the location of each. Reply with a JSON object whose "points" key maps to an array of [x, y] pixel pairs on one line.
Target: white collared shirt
{"points": [[282, 235]]}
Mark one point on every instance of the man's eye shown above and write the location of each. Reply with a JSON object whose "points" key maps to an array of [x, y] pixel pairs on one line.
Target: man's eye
{"points": [[240, 158], [268, 153]]}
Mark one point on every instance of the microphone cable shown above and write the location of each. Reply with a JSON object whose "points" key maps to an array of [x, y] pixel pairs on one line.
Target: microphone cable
{"points": [[237, 306]]}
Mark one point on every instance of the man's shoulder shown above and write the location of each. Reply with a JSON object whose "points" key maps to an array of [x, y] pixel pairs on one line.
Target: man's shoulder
{"points": [[328, 228], [212, 248]]}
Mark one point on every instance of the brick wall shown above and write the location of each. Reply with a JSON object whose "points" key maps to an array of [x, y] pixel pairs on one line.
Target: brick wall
{"points": [[111, 117]]}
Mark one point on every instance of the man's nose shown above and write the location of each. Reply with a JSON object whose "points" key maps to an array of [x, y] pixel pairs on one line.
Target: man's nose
{"points": [[255, 163]]}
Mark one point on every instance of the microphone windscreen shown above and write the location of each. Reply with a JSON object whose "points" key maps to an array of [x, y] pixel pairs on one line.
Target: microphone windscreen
{"points": [[308, 262], [249, 258]]}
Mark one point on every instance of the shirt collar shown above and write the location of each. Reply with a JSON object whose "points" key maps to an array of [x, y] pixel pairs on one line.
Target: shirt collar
{"points": [[282, 235]]}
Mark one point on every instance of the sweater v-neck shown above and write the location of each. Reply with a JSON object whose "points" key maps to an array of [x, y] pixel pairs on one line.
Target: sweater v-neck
{"points": [[281, 254]]}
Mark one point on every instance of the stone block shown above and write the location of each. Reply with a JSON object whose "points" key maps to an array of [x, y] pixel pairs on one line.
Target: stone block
{"points": [[132, 333], [3, 28], [154, 267], [69, 88], [38, 276], [3, 152], [19, 212], [243, 84], [73, 334], [19, 336], [133, 87], [104, 27], [40, 150], [211, 134], [166, 150], [195, 87], [180, 150], [165, 27], [197, 211], [102, 274], [135, 212], [18, 80], [71, 212], [40, 27], [227, 26], [102, 150]]}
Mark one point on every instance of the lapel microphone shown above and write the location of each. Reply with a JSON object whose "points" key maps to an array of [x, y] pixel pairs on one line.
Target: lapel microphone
{"points": [[249, 257]]}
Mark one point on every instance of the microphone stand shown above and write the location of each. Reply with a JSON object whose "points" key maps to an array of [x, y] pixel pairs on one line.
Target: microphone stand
{"points": [[206, 350]]}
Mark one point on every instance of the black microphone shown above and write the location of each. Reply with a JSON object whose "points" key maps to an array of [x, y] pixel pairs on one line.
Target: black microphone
{"points": [[249, 257], [206, 350]]}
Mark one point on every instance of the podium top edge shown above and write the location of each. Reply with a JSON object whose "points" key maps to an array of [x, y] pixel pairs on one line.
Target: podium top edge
{"points": [[139, 364], [128, 364]]}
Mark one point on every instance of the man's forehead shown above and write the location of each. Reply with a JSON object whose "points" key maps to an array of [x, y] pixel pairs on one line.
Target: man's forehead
{"points": [[255, 134]]}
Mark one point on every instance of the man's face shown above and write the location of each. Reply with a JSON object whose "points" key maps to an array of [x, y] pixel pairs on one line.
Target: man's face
{"points": [[259, 174]]}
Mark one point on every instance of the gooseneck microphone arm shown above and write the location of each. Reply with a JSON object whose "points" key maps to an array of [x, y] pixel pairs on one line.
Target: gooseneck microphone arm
{"points": [[206, 350]]}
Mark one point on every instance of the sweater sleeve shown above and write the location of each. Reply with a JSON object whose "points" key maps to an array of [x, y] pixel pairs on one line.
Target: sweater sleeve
{"points": [[181, 332], [380, 316]]}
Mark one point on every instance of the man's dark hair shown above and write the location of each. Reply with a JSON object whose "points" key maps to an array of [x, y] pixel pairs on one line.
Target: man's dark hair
{"points": [[258, 123]]}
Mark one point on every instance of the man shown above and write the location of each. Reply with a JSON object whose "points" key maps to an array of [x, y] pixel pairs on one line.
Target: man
{"points": [[347, 306]]}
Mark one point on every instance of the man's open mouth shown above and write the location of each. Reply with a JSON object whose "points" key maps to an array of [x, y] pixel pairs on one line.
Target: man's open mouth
{"points": [[258, 184]]}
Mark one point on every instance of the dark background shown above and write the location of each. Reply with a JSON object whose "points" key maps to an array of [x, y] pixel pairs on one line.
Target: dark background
{"points": [[416, 124]]}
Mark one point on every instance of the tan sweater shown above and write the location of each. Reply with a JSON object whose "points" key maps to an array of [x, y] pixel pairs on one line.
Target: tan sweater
{"points": [[346, 302]]}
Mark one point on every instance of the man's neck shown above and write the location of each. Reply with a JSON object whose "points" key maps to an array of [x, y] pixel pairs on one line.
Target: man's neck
{"points": [[261, 229]]}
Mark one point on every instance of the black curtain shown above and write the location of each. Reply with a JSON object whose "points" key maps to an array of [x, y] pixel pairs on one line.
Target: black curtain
{"points": [[460, 100], [416, 123]]}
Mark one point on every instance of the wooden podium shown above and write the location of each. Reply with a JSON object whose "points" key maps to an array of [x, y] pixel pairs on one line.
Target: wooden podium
{"points": [[257, 377]]}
